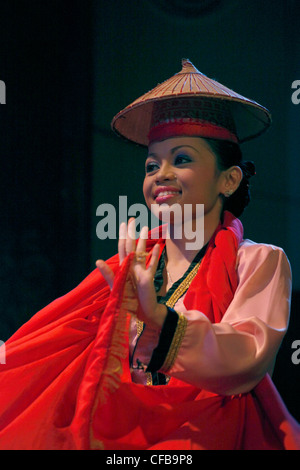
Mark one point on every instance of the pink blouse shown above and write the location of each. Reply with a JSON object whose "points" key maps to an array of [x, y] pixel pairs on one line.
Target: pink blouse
{"points": [[232, 356]]}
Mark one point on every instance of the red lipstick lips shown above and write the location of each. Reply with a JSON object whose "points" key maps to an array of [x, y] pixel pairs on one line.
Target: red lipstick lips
{"points": [[164, 193]]}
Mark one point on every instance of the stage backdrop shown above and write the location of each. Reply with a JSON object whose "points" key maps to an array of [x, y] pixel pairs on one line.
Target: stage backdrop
{"points": [[69, 66], [45, 236]]}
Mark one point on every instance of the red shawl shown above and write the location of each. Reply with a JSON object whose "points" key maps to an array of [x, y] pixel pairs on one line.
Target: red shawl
{"points": [[66, 383]]}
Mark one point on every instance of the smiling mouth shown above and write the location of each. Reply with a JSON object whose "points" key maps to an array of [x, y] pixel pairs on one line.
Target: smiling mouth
{"points": [[163, 196], [167, 193], [165, 190]]}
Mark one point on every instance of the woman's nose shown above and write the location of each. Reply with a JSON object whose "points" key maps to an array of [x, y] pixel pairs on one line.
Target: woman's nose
{"points": [[165, 173]]}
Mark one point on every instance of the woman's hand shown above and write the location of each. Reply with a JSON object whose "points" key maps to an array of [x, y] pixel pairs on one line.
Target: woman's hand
{"points": [[150, 312]]}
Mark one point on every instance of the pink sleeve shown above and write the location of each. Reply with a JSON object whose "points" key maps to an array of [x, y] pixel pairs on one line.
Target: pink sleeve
{"points": [[231, 357]]}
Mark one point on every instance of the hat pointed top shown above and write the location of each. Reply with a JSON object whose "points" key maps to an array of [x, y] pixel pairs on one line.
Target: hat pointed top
{"points": [[188, 67]]}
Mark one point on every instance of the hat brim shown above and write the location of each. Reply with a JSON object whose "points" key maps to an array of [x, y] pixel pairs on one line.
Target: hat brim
{"points": [[134, 122]]}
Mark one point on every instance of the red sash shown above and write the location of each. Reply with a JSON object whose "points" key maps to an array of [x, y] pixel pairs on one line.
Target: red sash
{"points": [[66, 383]]}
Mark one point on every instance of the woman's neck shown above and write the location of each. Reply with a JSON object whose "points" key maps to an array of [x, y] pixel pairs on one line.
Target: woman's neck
{"points": [[181, 250]]}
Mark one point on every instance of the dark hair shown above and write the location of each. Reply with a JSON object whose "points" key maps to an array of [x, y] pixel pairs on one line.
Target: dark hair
{"points": [[229, 154]]}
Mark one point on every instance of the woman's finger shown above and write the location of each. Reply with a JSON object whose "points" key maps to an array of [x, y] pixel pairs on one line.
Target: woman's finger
{"points": [[122, 242], [141, 244], [130, 240], [106, 272], [154, 259]]}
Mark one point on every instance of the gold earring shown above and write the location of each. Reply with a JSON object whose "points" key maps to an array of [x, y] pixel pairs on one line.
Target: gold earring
{"points": [[228, 193]]}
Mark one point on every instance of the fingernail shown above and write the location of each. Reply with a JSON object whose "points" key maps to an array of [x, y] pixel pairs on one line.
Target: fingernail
{"points": [[144, 233], [131, 230], [122, 231]]}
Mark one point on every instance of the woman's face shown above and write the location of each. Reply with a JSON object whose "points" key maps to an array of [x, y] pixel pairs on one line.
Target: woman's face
{"points": [[183, 170]]}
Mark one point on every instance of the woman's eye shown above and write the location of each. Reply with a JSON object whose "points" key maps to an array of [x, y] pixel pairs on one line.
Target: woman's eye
{"points": [[180, 159], [151, 166]]}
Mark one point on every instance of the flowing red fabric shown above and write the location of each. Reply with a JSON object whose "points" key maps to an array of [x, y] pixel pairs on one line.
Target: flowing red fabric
{"points": [[66, 383]]}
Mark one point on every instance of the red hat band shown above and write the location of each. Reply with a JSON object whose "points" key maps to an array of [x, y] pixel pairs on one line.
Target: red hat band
{"points": [[205, 118], [190, 128]]}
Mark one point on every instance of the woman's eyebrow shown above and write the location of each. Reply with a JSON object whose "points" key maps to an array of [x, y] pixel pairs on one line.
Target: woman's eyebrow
{"points": [[151, 155], [173, 150]]}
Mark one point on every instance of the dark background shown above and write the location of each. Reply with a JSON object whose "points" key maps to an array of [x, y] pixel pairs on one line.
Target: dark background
{"points": [[69, 67]]}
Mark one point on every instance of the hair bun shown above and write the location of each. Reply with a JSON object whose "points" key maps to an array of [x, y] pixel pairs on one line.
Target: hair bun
{"points": [[248, 169]]}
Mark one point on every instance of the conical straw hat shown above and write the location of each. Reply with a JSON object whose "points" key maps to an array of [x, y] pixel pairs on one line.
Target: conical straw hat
{"points": [[134, 122]]}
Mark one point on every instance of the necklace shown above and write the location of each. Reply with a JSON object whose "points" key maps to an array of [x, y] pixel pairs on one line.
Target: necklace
{"points": [[169, 277]]}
